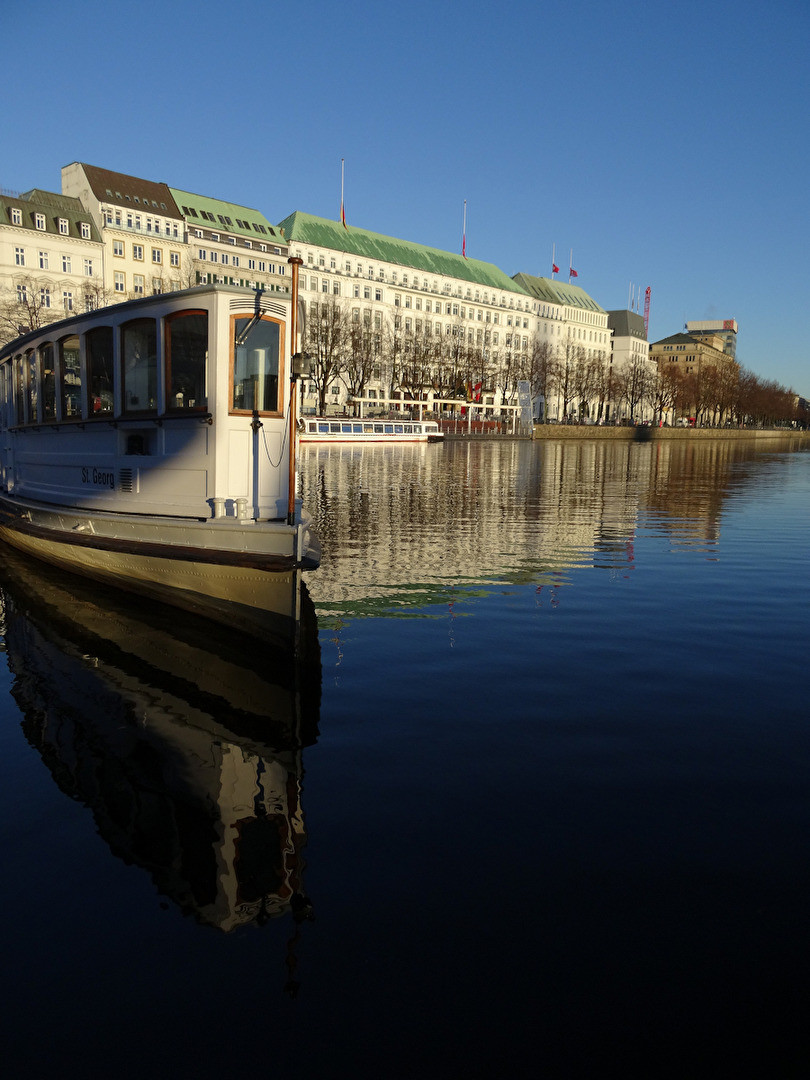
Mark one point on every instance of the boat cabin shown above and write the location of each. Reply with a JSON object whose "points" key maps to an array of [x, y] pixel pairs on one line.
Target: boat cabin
{"points": [[171, 405]]}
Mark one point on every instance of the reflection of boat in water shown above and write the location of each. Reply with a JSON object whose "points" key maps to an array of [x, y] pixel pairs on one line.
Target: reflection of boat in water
{"points": [[183, 739], [149, 445]]}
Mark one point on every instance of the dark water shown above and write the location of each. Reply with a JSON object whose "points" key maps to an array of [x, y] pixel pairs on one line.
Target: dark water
{"points": [[540, 808]]}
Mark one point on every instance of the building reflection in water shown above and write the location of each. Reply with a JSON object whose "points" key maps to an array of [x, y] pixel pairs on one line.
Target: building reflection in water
{"points": [[183, 739], [405, 528]]}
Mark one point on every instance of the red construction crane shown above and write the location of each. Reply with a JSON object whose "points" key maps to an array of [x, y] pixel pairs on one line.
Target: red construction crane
{"points": [[647, 312]]}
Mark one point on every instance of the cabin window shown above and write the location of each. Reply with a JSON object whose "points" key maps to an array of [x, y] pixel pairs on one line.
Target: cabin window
{"points": [[70, 376], [31, 386], [19, 389], [255, 365], [139, 355], [100, 370], [186, 355], [46, 369]]}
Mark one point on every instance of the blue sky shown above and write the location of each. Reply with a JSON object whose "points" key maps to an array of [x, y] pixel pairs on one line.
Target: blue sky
{"points": [[666, 144]]}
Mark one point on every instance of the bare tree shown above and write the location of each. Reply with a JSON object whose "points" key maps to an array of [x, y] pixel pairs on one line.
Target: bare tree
{"points": [[507, 374], [362, 358], [566, 362], [724, 378], [603, 386], [635, 383], [27, 303], [326, 340], [539, 370]]}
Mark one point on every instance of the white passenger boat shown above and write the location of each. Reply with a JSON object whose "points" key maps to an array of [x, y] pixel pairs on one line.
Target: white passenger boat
{"points": [[150, 445], [330, 429]]}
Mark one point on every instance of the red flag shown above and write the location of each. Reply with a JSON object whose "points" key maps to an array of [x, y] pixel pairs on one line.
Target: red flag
{"points": [[573, 272], [554, 268], [477, 392], [464, 246], [343, 216]]}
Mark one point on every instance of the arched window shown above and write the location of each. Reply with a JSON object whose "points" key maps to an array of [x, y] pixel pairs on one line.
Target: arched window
{"points": [[99, 345], [139, 360], [186, 361]]}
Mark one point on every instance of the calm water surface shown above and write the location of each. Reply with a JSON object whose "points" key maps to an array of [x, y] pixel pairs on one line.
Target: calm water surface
{"points": [[541, 806]]}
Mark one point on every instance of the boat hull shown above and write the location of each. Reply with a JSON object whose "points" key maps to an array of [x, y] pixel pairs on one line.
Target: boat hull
{"points": [[246, 578]]}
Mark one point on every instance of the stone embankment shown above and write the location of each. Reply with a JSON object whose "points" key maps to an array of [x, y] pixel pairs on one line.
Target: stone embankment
{"points": [[644, 434], [619, 434]]}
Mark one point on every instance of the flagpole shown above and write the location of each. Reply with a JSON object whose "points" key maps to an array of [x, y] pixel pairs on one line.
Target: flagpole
{"points": [[553, 263], [464, 232], [342, 210], [570, 264]]}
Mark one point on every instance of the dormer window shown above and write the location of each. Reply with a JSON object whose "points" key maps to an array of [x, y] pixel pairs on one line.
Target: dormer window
{"points": [[39, 221]]}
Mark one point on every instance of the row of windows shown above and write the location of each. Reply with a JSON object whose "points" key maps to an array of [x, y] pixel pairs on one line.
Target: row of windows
{"points": [[43, 261], [226, 259], [43, 296], [586, 335], [41, 223], [223, 219], [425, 285], [232, 240], [120, 250], [420, 328], [127, 220], [453, 309], [138, 281], [77, 377], [146, 200], [109, 371]]}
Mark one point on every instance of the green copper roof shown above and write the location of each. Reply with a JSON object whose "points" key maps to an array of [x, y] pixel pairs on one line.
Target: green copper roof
{"points": [[230, 217], [557, 292], [333, 236]]}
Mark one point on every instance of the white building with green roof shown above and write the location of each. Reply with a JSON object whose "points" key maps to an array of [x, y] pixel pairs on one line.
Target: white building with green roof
{"points": [[405, 296], [567, 313]]}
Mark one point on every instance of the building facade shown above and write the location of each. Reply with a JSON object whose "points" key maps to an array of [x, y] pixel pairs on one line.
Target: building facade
{"points": [[51, 260], [140, 225], [230, 244], [687, 354], [724, 329]]}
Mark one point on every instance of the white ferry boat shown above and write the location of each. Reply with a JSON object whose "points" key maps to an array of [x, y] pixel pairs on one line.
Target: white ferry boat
{"points": [[150, 445], [330, 429]]}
